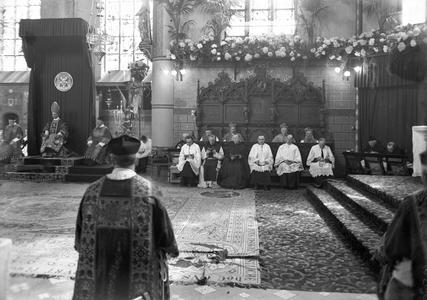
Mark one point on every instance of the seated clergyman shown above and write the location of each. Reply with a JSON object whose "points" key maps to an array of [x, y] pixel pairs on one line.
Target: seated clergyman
{"points": [[309, 138], [96, 152], [10, 143], [288, 164], [233, 131], [212, 155], [189, 162], [321, 162], [260, 163]]}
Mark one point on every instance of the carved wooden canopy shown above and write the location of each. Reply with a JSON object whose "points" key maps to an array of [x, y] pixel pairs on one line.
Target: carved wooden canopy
{"points": [[259, 104]]}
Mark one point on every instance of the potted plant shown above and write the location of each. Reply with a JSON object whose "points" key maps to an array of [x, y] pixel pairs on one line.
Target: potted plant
{"points": [[311, 14]]}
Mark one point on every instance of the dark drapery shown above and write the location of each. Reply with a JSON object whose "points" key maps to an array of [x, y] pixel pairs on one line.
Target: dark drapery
{"points": [[52, 46], [389, 113]]}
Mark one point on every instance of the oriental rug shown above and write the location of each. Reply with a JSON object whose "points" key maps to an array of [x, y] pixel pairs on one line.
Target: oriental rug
{"points": [[217, 237], [40, 219]]}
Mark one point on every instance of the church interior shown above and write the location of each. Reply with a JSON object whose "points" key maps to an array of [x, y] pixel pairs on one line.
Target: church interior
{"points": [[347, 75]]}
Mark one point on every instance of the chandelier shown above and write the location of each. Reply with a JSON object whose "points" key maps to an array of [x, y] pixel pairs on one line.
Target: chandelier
{"points": [[96, 36]]}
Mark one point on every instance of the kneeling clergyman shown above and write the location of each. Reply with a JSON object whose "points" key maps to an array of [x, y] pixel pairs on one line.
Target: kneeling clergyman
{"points": [[96, 153], [212, 155], [189, 162], [288, 164], [321, 162], [260, 163]]}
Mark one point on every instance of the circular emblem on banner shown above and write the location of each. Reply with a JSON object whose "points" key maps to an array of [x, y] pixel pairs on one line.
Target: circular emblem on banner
{"points": [[63, 81]]}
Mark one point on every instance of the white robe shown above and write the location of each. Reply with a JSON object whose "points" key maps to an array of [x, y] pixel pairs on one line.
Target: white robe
{"points": [[261, 154], [202, 183], [195, 162], [320, 168], [288, 153]]}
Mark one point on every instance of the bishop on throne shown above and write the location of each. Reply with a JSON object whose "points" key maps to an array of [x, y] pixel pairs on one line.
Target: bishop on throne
{"points": [[54, 136]]}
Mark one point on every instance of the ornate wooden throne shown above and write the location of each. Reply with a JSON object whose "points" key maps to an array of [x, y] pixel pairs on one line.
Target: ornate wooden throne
{"points": [[259, 104]]}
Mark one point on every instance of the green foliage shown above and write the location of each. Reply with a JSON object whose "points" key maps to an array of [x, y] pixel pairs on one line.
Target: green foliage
{"points": [[382, 11], [310, 16]]}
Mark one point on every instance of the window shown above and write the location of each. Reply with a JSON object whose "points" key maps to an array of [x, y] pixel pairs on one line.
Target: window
{"points": [[12, 57], [264, 16], [122, 22]]}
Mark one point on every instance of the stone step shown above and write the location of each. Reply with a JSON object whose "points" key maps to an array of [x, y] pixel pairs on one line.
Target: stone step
{"points": [[384, 187], [35, 168], [368, 206], [362, 237]]}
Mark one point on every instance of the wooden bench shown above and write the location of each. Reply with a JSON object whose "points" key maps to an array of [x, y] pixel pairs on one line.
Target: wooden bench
{"points": [[376, 164]]}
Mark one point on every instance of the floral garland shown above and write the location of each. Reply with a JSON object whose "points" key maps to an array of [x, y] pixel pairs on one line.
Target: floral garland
{"points": [[138, 70], [402, 38]]}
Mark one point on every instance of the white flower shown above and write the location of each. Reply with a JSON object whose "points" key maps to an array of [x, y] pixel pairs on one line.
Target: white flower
{"points": [[410, 33], [363, 52], [339, 57], [385, 48], [200, 46], [363, 42], [213, 51], [218, 53], [376, 49], [413, 43], [182, 44], [372, 41], [401, 46], [172, 42], [237, 58], [248, 57], [349, 49], [211, 38], [187, 41], [331, 57], [292, 58], [313, 50], [357, 53], [416, 31], [328, 42], [256, 55], [227, 56], [223, 43], [265, 49], [292, 53], [173, 56], [192, 57], [298, 55], [382, 40], [304, 57], [270, 54], [323, 52], [291, 44], [239, 40], [213, 46], [218, 58]]}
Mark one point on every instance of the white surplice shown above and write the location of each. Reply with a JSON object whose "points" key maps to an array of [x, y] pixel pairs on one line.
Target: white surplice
{"points": [[288, 159], [195, 162], [320, 168], [260, 154]]}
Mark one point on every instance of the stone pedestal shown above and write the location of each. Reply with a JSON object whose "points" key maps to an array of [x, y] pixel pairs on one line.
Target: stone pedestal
{"points": [[5, 250], [419, 144]]}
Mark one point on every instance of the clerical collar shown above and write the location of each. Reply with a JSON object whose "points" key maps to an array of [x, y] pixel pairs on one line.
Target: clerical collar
{"points": [[56, 119], [121, 173]]}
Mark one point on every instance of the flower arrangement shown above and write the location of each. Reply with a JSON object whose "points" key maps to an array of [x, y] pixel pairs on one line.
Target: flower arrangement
{"points": [[138, 70], [402, 40]]}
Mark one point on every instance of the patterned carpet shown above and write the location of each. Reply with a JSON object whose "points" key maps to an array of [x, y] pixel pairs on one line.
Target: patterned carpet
{"points": [[301, 251]]}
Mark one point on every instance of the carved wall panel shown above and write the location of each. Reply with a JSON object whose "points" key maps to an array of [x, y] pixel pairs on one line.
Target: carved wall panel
{"points": [[212, 114], [233, 113], [259, 104]]}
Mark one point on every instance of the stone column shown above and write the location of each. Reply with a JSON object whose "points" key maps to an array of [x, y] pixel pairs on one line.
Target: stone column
{"points": [[5, 250], [419, 144], [162, 103]]}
